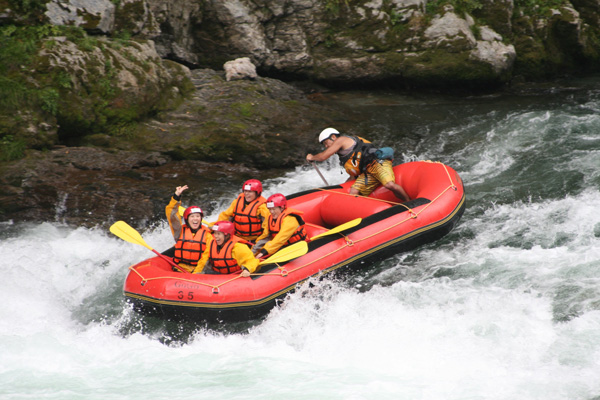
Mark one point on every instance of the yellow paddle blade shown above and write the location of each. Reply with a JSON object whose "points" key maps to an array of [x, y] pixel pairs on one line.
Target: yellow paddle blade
{"points": [[287, 253], [339, 228], [182, 210], [127, 233]]}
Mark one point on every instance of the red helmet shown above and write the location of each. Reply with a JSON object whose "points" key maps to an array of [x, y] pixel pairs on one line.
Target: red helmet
{"points": [[276, 200], [253, 184], [226, 227], [192, 210]]}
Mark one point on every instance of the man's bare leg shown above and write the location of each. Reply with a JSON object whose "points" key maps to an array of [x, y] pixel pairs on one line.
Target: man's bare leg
{"points": [[397, 190]]}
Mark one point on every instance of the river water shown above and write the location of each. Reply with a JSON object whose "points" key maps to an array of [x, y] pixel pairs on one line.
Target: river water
{"points": [[507, 306]]}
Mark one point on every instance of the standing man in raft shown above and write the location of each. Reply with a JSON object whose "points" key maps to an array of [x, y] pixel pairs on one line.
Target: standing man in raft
{"points": [[357, 155]]}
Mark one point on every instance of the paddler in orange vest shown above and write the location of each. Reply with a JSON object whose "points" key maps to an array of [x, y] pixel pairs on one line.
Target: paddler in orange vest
{"points": [[191, 237], [357, 155], [248, 212], [227, 253], [286, 226]]}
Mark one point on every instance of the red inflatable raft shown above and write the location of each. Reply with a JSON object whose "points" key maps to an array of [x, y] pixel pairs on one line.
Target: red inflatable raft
{"points": [[358, 230]]}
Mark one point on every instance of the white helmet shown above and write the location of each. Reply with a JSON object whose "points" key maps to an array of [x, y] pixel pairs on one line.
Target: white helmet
{"points": [[326, 134]]}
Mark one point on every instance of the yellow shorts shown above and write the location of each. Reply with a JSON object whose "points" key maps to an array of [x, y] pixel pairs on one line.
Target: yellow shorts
{"points": [[376, 174]]}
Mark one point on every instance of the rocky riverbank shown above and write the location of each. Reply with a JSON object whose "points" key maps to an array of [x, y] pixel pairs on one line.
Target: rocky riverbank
{"points": [[225, 133]]}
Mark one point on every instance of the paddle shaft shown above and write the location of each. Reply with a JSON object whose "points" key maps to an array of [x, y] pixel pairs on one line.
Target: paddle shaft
{"points": [[319, 172], [173, 263]]}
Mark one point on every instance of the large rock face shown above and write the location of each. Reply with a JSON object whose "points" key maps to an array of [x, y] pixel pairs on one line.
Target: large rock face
{"points": [[128, 77], [404, 42], [94, 15], [400, 41], [67, 85]]}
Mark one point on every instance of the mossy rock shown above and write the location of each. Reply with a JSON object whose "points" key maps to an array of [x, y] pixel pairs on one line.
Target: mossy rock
{"points": [[438, 68], [263, 123]]}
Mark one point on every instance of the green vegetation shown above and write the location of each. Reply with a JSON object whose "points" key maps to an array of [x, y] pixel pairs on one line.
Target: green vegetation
{"points": [[36, 92], [332, 7], [49, 100], [395, 17], [329, 37], [12, 93], [18, 48], [11, 148], [245, 109], [28, 7], [542, 5]]}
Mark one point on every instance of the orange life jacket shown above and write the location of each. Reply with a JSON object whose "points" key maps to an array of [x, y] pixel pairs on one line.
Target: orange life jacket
{"points": [[245, 217], [222, 258], [362, 154], [189, 247], [275, 226]]}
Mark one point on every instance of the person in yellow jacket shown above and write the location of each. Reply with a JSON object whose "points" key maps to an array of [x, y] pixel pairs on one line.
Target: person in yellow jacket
{"points": [[248, 212], [358, 158], [286, 226], [191, 237], [227, 253]]}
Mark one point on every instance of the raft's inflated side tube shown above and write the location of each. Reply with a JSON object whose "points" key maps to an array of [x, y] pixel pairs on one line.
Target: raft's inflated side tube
{"points": [[309, 202], [333, 206], [339, 208]]}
